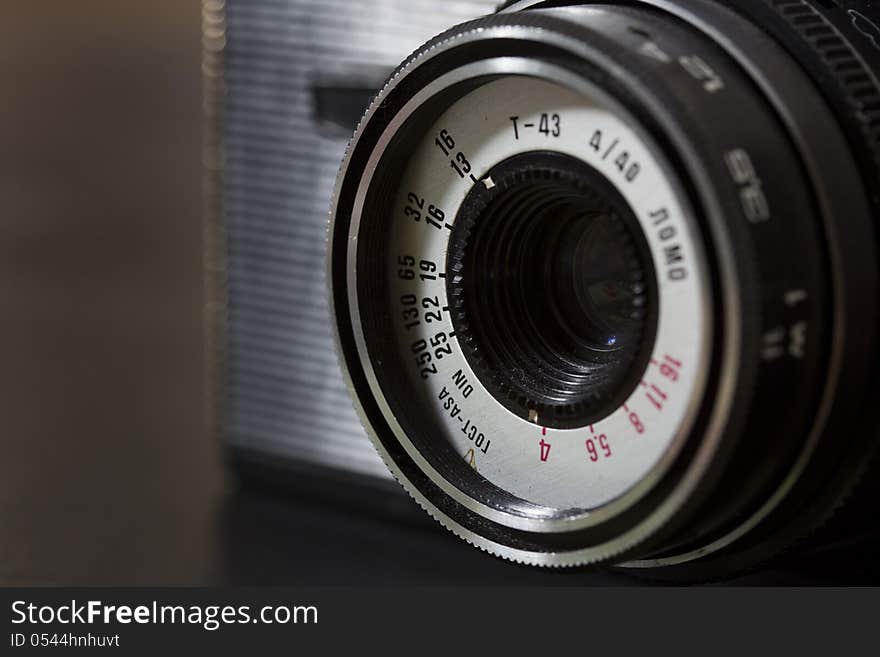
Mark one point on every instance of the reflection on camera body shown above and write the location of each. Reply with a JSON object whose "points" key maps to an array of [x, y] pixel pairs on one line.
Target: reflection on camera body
{"points": [[602, 276]]}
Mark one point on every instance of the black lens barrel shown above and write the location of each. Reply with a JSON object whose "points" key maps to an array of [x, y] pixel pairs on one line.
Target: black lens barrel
{"points": [[769, 112]]}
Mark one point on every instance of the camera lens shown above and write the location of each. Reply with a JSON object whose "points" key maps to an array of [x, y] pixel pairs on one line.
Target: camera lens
{"points": [[551, 287], [604, 277]]}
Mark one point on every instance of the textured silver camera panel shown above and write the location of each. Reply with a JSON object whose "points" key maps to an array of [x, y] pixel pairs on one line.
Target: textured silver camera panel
{"points": [[276, 161]]}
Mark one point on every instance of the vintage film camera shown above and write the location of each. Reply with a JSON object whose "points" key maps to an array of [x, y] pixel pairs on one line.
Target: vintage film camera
{"points": [[603, 275]]}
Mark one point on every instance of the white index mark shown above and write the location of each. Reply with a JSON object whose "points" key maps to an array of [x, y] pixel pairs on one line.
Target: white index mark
{"points": [[652, 50], [795, 298], [489, 183]]}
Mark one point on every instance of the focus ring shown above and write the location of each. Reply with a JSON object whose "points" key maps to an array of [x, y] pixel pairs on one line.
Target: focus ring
{"points": [[857, 84]]}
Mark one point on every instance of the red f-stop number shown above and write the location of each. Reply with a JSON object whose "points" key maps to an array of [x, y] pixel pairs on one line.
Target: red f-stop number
{"points": [[599, 446], [656, 393]]}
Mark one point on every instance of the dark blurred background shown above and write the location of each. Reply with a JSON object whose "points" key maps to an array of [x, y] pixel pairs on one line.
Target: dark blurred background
{"points": [[108, 474], [105, 471]]}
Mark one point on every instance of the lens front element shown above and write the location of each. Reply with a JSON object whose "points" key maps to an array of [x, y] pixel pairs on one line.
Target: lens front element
{"points": [[553, 289]]}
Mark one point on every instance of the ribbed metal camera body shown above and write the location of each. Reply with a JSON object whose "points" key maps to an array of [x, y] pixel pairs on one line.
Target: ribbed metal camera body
{"points": [[287, 83]]}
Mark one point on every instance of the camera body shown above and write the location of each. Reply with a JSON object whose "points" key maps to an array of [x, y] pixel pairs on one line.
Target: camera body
{"points": [[287, 83]]}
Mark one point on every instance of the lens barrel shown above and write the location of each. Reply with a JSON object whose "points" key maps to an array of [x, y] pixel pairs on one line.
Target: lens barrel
{"points": [[766, 116]]}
